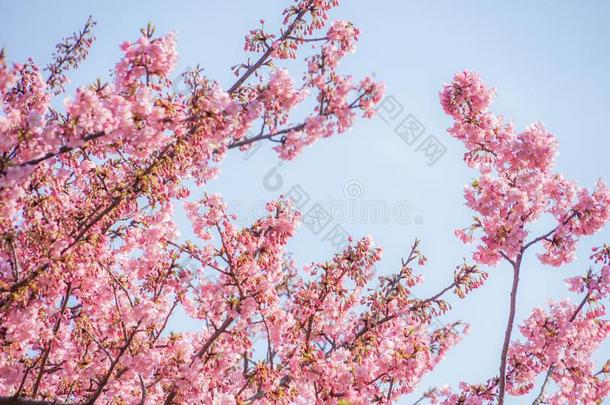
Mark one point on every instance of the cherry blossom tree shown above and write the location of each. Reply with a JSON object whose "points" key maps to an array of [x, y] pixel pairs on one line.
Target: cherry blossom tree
{"points": [[516, 188], [92, 265]]}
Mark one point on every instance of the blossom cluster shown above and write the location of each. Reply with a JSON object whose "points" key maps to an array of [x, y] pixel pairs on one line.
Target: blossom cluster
{"points": [[334, 111], [516, 184], [564, 343], [516, 187]]}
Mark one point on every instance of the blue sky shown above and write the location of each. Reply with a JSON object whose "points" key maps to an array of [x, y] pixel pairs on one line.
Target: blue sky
{"points": [[549, 61]]}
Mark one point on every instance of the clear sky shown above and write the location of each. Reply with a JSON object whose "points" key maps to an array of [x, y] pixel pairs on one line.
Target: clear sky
{"points": [[549, 61]]}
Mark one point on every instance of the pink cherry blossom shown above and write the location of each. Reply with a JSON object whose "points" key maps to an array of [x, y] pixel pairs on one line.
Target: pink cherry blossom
{"points": [[516, 187], [94, 267]]}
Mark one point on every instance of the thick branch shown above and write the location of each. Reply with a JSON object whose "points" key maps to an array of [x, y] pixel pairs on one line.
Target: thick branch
{"points": [[509, 328]]}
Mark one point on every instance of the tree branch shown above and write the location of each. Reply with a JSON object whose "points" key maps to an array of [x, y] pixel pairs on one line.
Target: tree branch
{"points": [[549, 233], [547, 379], [267, 53], [549, 373], [113, 364], [24, 401], [509, 328]]}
